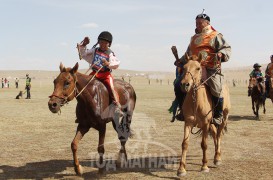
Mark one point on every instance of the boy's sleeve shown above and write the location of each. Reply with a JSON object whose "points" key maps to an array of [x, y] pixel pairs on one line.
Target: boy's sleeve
{"points": [[113, 60], [87, 54]]}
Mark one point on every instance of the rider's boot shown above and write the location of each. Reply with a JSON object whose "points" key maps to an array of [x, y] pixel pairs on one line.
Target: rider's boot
{"points": [[180, 116], [218, 110]]}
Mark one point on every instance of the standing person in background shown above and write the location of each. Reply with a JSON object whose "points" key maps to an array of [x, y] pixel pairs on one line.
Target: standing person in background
{"points": [[16, 83], [5, 82], [28, 86], [2, 82]]}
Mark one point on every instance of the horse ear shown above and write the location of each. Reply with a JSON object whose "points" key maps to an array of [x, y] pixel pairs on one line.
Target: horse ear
{"points": [[199, 58], [186, 57], [62, 68], [75, 68]]}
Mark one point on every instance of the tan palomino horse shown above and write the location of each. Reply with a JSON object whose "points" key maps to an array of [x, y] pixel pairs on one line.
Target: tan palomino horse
{"points": [[197, 110]]}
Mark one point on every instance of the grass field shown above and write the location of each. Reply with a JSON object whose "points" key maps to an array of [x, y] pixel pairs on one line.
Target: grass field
{"points": [[35, 144]]}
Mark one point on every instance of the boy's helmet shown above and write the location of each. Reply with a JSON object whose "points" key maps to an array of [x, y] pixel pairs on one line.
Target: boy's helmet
{"points": [[271, 56], [256, 65], [107, 36]]}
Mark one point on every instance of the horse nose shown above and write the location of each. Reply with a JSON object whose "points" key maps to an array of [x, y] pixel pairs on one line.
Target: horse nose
{"points": [[185, 87], [54, 105]]}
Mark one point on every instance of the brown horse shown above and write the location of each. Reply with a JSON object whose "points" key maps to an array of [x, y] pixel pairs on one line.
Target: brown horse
{"points": [[256, 89], [197, 109], [93, 108]]}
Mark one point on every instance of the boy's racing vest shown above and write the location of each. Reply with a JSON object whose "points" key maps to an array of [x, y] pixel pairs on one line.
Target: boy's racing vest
{"points": [[97, 60]]}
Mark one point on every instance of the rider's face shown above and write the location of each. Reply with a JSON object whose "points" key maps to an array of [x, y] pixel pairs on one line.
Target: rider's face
{"points": [[103, 45], [200, 24]]}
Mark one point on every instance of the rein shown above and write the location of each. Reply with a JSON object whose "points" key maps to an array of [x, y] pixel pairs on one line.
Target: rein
{"points": [[196, 87], [75, 90], [89, 82]]}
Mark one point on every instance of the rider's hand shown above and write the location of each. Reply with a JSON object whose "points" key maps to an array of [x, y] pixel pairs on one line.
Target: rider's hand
{"points": [[85, 41], [105, 62], [219, 55], [177, 63]]}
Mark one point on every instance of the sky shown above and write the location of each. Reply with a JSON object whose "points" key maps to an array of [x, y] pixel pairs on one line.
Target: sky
{"points": [[38, 35]]}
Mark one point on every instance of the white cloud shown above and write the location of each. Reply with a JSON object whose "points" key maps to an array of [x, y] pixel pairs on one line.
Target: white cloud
{"points": [[89, 25]]}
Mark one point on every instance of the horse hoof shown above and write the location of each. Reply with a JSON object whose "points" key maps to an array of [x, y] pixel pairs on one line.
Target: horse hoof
{"points": [[205, 169], [181, 173], [79, 170], [217, 163], [101, 171], [122, 160]]}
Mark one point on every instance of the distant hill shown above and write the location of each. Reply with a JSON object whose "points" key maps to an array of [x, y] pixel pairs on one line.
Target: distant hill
{"points": [[239, 73], [11, 74]]}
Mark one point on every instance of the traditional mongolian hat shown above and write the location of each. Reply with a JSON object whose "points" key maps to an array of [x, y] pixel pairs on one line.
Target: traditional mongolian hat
{"points": [[203, 16]]}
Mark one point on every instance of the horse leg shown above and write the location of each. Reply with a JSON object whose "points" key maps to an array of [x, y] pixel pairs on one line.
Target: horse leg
{"points": [[264, 106], [214, 134], [122, 156], [123, 139], [182, 168], [102, 130], [253, 107], [204, 146], [257, 109], [74, 147]]}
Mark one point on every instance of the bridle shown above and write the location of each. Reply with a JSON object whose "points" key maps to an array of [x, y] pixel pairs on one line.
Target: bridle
{"points": [[195, 87], [75, 90], [65, 98]]}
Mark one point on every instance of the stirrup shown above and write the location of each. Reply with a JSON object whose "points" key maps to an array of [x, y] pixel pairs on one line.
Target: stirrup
{"points": [[179, 116], [217, 121]]}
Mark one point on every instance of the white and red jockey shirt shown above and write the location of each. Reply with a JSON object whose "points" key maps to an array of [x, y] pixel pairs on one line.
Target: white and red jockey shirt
{"points": [[94, 57]]}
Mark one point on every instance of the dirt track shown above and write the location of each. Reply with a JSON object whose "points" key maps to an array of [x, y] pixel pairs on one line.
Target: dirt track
{"points": [[36, 143]]}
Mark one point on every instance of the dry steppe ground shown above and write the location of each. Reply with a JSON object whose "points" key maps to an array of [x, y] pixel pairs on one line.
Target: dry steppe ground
{"points": [[35, 144]]}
